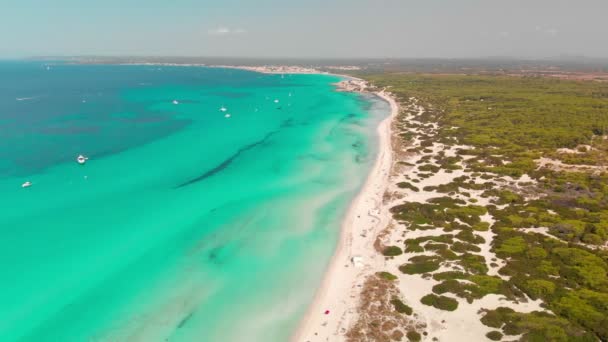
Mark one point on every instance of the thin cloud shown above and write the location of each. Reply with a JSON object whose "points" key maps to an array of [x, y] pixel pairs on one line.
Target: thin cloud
{"points": [[224, 31]]}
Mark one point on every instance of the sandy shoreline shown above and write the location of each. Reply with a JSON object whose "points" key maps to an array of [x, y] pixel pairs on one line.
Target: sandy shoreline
{"points": [[340, 289], [342, 281], [355, 256], [334, 307], [368, 218], [352, 304], [337, 310], [415, 165]]}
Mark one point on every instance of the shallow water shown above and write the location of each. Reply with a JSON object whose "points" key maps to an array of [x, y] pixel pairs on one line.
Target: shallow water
{"points": [[184, 224]]}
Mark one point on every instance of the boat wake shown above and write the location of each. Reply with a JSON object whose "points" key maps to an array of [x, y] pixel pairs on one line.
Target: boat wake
{"points": [[25, 98]]}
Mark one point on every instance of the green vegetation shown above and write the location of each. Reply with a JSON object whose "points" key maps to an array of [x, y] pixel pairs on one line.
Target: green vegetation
{"points": [[511, 246], [517, 118], [440, 302], [462, 247], [392, 251], [571, 279], [413, 336], [429, 168], [413, 246], [439, 212], [510, 122], [387, 276], [401, 307], [420, 264], [494, 335], [475, 287], [406, 185], [534, 326]]}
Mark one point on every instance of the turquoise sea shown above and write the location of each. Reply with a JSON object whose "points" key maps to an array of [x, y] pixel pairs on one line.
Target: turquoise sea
{"points": [[184, 224]]}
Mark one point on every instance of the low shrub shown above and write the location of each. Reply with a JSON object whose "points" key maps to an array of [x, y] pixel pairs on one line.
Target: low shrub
{"points": [[494, 335], [392, 251], [387, 276], [413, 336], [440, 302], [401, 307], [420, 264]]}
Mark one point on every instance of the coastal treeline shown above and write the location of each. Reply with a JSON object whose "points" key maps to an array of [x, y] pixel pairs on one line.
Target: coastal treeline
{"points": [[550, 232]]}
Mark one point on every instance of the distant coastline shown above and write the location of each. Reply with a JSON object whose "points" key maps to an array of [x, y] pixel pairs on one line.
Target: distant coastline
{"points": [[573, 68], [264, 69]]}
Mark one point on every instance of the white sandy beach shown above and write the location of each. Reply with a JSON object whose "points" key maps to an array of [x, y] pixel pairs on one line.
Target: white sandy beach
{"points": [[365, 218], [335, 309], [368, 216]]}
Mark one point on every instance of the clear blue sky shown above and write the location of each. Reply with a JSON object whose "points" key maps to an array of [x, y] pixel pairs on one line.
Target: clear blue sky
{"points": [[306, 28]]}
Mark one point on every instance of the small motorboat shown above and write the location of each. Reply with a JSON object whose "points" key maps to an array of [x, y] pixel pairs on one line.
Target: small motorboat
{"points": [[276, 101], [81, 159], [175, 102], [227, 115], [223, 109], [26, 184]]}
